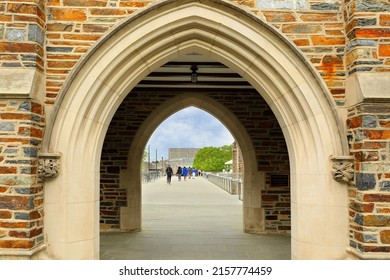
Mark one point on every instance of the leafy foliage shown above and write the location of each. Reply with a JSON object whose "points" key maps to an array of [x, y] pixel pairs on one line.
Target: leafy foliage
{"points": [[213, 158]]}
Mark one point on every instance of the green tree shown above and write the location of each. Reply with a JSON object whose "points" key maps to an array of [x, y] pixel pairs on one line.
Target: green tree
{"points": [[213, 159]]}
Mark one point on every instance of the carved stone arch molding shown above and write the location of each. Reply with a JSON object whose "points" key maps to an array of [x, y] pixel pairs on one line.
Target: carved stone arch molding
{"points": [[233, 36]]}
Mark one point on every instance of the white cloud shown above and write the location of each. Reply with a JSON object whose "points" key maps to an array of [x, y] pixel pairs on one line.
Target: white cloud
{"points": [[188, 128]]}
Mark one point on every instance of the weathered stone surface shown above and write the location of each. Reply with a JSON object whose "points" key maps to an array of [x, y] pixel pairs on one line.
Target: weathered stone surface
{"points": [[57, 26], [15, 202], [362, 207], [369, 121], [372, 6], [299, 28], [133, 4], [279, 16], [385, 236], [384, 20], [365, 181], [322, 40], [36, 34], [22, 8], [110, 12], [377, 220], [86, 3], [372, 33], [5, 215], [17, 244], [16, 34], [384, 50], [67, 14]]}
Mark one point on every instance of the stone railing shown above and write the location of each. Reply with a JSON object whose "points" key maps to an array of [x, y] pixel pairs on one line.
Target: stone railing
{"points": [[225, 182]]}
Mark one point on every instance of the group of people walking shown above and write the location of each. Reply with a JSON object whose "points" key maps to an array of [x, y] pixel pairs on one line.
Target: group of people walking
{"points": [[181, 172]]}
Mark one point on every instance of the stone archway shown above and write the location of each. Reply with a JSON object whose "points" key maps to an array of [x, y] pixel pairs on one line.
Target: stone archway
{"points": [[131, 215], [228, 34]]}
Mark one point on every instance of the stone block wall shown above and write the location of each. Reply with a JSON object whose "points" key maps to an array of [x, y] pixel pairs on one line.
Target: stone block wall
{"points": [[22, 34], [249, 108], [316, 27], [369, 134], [276, 201], [21, 194], [368, 36]]}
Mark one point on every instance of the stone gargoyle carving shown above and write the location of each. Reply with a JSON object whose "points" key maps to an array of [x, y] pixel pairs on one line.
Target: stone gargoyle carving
{"points": [[48, 165], [343, 170]]}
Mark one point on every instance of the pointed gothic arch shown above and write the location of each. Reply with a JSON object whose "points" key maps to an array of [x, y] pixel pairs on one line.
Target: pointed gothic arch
{"points": [[226, 33]]}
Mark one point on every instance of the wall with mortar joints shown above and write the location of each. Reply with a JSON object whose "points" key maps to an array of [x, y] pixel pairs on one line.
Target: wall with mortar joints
{"points": [[21, 194], [22, 34], [368, 36], [369, 130], [249, 108], [315, 27]]}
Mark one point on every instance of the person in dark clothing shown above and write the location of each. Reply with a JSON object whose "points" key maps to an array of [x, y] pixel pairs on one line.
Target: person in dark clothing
{"points": [[169, 173], [178, 173]]}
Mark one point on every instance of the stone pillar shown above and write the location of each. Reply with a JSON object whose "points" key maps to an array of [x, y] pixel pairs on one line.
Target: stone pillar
{"points": [[254, 216], [368, 124], [130, 216], [369, 133], [22, 121], [367, 27], [21, 193]]}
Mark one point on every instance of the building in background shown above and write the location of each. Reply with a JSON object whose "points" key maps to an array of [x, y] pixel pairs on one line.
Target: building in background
{"points": [[181, 157]]}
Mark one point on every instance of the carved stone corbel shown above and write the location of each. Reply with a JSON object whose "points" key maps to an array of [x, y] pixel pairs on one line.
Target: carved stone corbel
{"points": [[48, 165], [343, 170]]}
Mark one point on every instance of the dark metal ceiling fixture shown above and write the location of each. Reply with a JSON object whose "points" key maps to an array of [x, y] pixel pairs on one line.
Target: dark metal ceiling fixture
{"points": [[194, 75]]}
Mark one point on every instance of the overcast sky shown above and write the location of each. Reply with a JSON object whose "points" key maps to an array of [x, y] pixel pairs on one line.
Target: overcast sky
{"points": [[188, 128]]}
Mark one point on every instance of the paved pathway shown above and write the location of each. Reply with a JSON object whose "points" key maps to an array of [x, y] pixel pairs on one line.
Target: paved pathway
{"points": [[191, 220]]}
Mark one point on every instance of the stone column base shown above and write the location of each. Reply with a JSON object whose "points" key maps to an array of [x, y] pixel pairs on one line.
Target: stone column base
{"points": [[38, 253]]}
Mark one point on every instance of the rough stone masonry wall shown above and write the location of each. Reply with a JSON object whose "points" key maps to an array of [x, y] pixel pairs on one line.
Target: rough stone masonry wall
{"points": [[368, 124], [22, 34], [249, 108], [368, 36], [22, 25], [21, 195], [369, 134], [316, 27]]}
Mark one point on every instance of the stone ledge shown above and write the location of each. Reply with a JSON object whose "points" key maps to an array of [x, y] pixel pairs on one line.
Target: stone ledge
{"points": [[18, 254], [368, 256], [21, 83], [367, 87]]}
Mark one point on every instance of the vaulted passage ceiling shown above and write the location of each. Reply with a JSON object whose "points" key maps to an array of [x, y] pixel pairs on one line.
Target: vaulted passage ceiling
{"points": [[209, 74]]}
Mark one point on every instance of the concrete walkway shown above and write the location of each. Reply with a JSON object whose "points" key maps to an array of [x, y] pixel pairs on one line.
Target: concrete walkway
{"points": [[191, 220]]}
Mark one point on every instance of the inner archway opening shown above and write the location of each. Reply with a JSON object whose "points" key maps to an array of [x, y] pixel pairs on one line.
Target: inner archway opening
{"points": [[266, 188]]}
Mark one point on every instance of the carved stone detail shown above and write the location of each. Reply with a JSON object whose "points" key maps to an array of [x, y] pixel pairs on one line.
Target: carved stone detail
{"points": [[343, 170], [48, 165]]}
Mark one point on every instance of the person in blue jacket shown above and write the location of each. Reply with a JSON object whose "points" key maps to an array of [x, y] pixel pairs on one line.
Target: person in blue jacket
{"points": [[185, 173]]}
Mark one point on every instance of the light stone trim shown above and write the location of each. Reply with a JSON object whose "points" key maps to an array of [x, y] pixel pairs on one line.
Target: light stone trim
{"points": [[21, 83], [368, 87], [367, 256], [23, 254], [343, 169], [48, 165]]}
